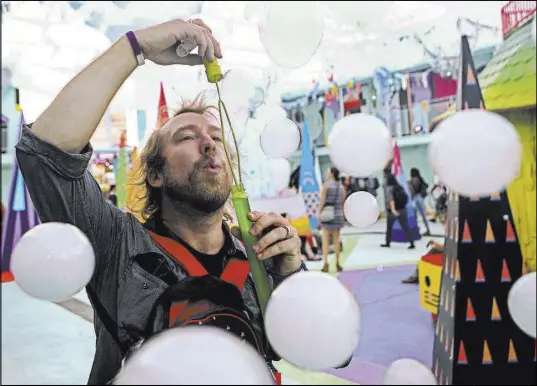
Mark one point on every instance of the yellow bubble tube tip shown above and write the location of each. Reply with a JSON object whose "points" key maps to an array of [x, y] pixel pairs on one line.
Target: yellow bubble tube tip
{"points": [[213, 71]]}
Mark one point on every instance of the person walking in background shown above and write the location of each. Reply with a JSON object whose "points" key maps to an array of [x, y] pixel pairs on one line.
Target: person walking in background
{"points": [[331, 215], [418, 191], [396, 200]]}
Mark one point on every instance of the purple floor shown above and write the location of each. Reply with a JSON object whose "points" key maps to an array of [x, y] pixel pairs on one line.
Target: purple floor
{"points": [[393, 323]]}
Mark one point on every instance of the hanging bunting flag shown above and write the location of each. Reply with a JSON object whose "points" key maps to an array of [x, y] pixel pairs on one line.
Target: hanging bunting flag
{"points": [[457, 272]]}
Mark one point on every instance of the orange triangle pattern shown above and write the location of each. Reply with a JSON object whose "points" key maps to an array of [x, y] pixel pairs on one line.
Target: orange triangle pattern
{"points": [[457, 273], [495, 197], [462, 359], [495, 310], [470, 313], [466, 236], [487, 359], [512, 353], [510, 234], [470, 77], [506, 276], [489, 238], [479, 275]]}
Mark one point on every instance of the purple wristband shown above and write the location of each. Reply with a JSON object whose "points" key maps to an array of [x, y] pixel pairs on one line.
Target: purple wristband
{"points": [[136, 48]]}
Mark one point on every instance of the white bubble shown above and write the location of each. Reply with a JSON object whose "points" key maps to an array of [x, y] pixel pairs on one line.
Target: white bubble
{"points": [[195, 356], [521, 304], [328, 342], [239, 120], [280, 138], [270, 111], [408, 372], [292, 31], [361, 209], [475, 152], [360, 145], [239, 90], [53, 261], [280, 173]]}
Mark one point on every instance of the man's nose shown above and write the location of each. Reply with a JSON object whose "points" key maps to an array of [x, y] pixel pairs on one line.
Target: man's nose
{"points": [[208, 145]]}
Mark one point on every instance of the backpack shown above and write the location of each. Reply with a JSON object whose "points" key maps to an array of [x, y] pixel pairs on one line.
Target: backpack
{"points": [[198, 299], [400, 198]]}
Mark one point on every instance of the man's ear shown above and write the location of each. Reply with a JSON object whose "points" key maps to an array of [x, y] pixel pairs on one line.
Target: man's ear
{"points": [[155, 179]]}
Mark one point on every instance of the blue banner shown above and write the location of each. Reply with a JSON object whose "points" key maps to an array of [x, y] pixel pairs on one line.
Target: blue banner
{"points": [[309, 187]]}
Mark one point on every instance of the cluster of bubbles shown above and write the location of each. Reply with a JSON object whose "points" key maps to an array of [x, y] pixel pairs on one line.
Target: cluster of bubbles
{"points": [[474, 152], [55, 268]]}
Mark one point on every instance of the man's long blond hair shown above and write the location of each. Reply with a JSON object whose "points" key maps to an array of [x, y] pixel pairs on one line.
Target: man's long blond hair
{"points": [[152, 162]]}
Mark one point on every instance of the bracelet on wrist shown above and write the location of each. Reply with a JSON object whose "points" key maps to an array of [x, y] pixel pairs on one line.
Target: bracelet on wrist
{"points": [[136, 48]]}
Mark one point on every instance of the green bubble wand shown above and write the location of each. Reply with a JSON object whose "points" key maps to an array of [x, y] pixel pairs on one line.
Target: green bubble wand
{"points": [[239, 196]]}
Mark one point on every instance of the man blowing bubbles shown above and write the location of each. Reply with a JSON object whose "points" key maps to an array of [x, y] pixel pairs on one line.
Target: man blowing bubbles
{"points": [[187, 180]]}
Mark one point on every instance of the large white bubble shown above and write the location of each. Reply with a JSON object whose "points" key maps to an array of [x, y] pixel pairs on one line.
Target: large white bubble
{"points": [[53, 261], [291, 31], [475, 152]]}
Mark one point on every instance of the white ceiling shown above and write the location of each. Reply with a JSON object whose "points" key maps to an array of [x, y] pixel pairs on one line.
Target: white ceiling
{"points": [[45, 43]]}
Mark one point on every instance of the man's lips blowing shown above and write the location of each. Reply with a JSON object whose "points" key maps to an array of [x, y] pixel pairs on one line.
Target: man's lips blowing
{"points": [[211, 164]]}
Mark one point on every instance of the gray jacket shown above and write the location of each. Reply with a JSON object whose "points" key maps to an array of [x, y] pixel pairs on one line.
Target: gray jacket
{"points": [[63, 190]]}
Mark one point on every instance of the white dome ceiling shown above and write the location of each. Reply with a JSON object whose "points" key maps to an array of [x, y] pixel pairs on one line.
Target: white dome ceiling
{"points": [[46, 42]]}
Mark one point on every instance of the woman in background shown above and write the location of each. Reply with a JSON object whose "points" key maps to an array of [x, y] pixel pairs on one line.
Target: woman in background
{"points": [[332, 195], [418, 191]]}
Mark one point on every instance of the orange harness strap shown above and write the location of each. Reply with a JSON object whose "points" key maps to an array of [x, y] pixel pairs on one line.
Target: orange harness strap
{"points": [[235, 272]]}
